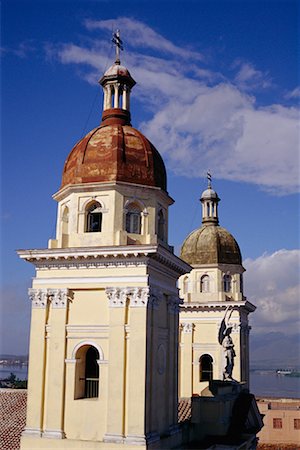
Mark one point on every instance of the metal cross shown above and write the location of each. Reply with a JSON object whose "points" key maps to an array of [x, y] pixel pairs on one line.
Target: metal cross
{"points": [[119, 45], [209, 179]]}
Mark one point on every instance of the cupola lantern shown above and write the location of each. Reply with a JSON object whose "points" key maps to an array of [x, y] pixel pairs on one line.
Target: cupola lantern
{"points": [[117, 82], [209, 200]]}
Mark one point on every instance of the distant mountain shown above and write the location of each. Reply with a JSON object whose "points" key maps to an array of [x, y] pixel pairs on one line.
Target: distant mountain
{"points": [[274, 351]]}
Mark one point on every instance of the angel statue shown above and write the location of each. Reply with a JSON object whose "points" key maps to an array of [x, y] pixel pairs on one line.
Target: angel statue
{"points": [[226, 341]]}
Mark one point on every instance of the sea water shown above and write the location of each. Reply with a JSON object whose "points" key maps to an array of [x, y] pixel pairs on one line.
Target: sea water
{"points": [[266, 383]]}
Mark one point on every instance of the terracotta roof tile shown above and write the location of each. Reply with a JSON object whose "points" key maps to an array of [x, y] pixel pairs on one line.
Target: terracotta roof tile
{"points": [[184, 409], [12, 417]]}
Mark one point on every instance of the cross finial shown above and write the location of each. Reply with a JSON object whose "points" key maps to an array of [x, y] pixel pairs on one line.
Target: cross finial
{"points": [[208, 179], [119, 45]]}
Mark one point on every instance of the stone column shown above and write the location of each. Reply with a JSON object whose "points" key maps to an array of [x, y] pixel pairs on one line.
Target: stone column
{"points": [[125, 97], [37, 357], [116, 369], [108, 99], [116, 99], [55, 374]]}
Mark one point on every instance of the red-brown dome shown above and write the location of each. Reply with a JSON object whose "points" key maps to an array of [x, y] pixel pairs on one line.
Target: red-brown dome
{"points": [[115, 151]]}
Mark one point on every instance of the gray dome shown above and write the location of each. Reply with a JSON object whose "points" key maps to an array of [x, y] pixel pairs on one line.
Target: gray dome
{"points": [[209, 194], [211, 245]]}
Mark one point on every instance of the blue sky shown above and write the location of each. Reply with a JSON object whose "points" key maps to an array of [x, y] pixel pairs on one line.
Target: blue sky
{"points": [[217, 88]]}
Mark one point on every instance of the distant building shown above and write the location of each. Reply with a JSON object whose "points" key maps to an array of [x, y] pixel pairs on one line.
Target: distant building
{"points": [[281, 421], [213, 289]]}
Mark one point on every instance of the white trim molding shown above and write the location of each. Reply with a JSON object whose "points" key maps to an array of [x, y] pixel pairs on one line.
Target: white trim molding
{"points": [[81, 344], [113, 438], [54, 434], [32, 432]]}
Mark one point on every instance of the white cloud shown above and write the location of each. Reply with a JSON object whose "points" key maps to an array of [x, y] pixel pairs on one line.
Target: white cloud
{"points": [[295, 93], [138, 34], [272, 284], [248, 77], [196, 125], [22, 50]]}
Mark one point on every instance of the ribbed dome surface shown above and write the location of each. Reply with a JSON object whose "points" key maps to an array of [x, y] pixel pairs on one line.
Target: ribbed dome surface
{"points": [[211, 245], [115, 151]]}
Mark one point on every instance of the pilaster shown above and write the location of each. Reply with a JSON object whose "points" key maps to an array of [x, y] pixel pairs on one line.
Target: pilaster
{"points": [[137, 365], [186, 359], [37, 358], [116, 371], [55, 389]]}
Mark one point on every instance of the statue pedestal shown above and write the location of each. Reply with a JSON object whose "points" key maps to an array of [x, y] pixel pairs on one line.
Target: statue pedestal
{"points": [[223, 413]]}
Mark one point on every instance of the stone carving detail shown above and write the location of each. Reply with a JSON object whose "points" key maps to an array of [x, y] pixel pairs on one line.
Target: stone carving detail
{"points": [[155, 297], [138, 296], [116, 297], [38, 297], [173, 304], [187, 327], [59, 297]]}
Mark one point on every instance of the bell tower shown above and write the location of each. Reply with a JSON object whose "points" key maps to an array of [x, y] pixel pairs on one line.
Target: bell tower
{"points": [[105, 306], [214, 306]]}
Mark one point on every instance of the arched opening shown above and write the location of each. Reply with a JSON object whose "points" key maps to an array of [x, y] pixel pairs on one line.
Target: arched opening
{"points": [[87, 372], [208, 209], [133, 219], [241, 283], [227, 283], [65, 227], [93, 218], [161, 225], [204, 283], [205, 368], [186, 285]]}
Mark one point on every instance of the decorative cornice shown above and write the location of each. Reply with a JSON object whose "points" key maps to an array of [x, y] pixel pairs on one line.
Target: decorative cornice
{"points": [[109, 185], [155, 297], [116, 297], [173, 304], [138, 297], [94, 257], [217, 306], [38, 297], [58, 297]]}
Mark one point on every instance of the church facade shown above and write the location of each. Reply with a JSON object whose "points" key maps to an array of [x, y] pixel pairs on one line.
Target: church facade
{"points": [[104, 371]]}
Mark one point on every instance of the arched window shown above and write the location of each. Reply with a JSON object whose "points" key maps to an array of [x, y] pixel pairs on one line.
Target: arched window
{"points": [[161, 225], [205, 368], [87, 372], [241, 283], [93, 218], [227, 283], [65, 227], [186, 285], [204, 283], [133, 219], [65, 220]]}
